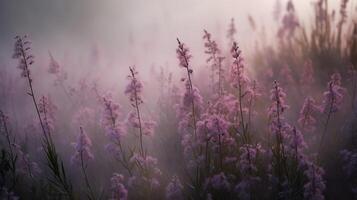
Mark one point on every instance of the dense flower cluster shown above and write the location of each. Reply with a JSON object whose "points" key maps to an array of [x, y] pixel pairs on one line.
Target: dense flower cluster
{"points": [[82, 148], [119, 192], [47, 111], [333, 97], [174, 189], [22, 53], [307, 118]]}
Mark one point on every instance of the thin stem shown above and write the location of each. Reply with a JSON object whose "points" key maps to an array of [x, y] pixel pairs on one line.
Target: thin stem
{"points": [[83, 167], [138, 114]]}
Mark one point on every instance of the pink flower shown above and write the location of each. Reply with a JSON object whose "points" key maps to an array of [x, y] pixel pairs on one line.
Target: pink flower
{"points": [[215, 61], [248, 158], [22, 53], [24, 164], [219, 182], [307, 119], [134, 88], [110, 119], [55, 68], [47, 111], [183, 54], [149, 127], [313, 189], [82, 148], [333, 97], [174, 190], [275, 111], [238, 76], [119, 192]]}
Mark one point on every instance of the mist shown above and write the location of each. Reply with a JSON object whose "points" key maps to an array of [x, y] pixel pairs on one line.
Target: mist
{"points": [[190, 99]]}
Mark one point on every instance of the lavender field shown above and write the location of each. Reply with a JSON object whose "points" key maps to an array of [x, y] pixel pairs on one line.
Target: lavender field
{"points": [[178, 99]]}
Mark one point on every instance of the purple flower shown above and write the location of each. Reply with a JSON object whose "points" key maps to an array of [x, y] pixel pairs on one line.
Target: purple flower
{"points": [[119, 192], [275, 111], [22, 53], [219, 182], [134, 88], [24, 164], [47, 111], [55, 68], [174, 189], [333, 97], [216, 61], [183, 55], [82, 148], [110, 119], [307, 119], [149, 127], [313, 189], [350, 162], [248, 158], [238, 77]]}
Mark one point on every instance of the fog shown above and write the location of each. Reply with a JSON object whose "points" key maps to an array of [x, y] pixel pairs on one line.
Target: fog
{"points": [[266, 112], [128, 32]]}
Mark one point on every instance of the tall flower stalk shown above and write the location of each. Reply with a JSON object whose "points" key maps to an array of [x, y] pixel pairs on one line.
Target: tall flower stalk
{"points": [[115, 131], [215, 61], [184, 58], [26, 59], [278, 127], [333, 98], [133, 91], [240, 81], [81, 156]]}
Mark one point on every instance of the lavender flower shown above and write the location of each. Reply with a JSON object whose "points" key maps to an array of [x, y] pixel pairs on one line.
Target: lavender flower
{"points": [[134, 88], [238, 77], [24, 164], [183, 55], [55, 69], [216, 61], [110, 119], [82, 148], [22, 53], [248, 158], [174, 190], [313, 189], [333, 97], [296, 145], [349, 159], [276, 110], [219, 182], [350, 162], [307, 119], [47, 111], [119, 192]]}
